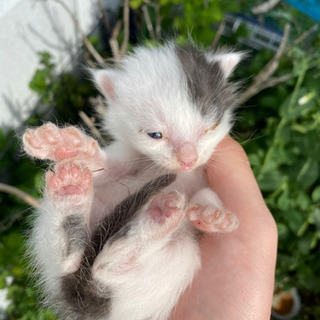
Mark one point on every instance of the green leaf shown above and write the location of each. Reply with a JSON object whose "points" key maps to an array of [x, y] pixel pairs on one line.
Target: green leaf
{"points": [[316, 194], [9, 244], [270, 180], [315, 240], [305, 145], [45, 60], [308, 173], [39, 83], [294, 219], [135, 4], [305, 102], [3, 282], [314, 217], [305, 243], [303, 228], [283, 231], [284, 200], [302, 201]]}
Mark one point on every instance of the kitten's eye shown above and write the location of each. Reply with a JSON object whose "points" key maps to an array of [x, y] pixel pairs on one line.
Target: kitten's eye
{"points": [[210, 129], [155, 135]]}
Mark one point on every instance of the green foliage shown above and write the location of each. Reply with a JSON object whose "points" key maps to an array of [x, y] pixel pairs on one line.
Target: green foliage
{"points": [[66, 93], [27, 176], [21, 292], [285, 157], [280, 132], [180, 18], [43, 77], [18, 171]]}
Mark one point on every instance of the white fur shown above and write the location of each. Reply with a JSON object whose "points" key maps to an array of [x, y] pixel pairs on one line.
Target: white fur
{"points": [[148, 93]]}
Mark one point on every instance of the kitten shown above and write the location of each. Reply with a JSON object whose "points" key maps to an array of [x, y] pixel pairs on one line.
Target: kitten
{"points": [[117, 234]]}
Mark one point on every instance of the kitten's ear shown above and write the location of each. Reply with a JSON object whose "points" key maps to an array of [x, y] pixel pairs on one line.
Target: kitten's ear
{"points": [[105, 82], [228, 61]]}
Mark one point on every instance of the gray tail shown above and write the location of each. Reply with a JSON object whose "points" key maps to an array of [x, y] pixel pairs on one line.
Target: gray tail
{"points": [[78, 289]]}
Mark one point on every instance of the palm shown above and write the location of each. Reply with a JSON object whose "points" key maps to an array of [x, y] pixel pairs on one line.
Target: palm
{"points": [[237, 275]]}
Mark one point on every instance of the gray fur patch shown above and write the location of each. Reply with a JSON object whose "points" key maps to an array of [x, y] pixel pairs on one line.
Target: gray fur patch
{"points": [[76, 233], [207, 85], [84, 298]]}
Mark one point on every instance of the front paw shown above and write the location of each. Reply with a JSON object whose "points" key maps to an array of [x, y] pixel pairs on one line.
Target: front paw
{"points": [[53, 143], [165, 213], [211, 219]]}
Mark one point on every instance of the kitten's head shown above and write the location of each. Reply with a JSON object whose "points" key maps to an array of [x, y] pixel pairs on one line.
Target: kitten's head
{"points": [[172, 104]]}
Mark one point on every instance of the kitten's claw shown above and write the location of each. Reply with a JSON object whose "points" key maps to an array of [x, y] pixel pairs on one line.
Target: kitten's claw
{"points": [[53, 143], [210, 219], [167, 211]]}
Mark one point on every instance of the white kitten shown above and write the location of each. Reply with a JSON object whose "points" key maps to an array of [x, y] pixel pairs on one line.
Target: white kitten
{"points": [[116, 237]]}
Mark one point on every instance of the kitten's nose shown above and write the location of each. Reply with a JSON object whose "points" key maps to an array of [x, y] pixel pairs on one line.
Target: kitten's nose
{"points": [[187, 155]]}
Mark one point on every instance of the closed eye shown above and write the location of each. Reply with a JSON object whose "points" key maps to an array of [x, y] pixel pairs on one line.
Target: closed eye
{"points": [[211, 128]]}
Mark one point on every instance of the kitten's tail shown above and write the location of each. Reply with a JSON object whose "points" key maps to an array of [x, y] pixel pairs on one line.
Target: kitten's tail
{"points": [[81, 297]]}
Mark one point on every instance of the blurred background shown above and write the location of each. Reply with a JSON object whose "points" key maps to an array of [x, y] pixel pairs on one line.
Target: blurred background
{"points": [[45, 47]]}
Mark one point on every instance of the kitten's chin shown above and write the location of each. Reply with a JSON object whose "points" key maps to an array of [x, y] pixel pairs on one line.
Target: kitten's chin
{"points": [[178, 168], [185, 168]]}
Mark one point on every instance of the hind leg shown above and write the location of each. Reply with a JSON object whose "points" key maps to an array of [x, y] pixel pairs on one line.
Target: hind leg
{"points": [[69, 191], [206, 213], [152, 229]]}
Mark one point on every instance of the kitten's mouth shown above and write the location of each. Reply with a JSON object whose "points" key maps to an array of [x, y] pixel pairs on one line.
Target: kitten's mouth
{"points": [[186, 168], [187, 156]]}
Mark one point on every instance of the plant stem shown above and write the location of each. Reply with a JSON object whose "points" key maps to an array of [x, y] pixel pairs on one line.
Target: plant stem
{"points": [[281, 124], [85, 40], [20, 194]]}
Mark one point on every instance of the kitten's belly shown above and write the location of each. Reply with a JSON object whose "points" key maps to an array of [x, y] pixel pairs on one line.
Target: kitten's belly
{"points": [[164, 274], [111, 190]]}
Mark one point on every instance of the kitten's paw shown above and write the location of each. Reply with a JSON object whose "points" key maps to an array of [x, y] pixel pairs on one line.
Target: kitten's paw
{"points": [[53, 143], [211, 219], [70, 181], [166, 212]]}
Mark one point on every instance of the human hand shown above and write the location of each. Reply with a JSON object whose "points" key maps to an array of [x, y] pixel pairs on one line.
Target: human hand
{"points": [[236, 279]]}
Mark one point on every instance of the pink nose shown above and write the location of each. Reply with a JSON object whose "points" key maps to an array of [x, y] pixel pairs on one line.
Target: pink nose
{"points": [[187, 155]]}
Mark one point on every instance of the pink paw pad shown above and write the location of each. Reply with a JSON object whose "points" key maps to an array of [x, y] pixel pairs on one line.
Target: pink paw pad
{"points": [[211, 219], [51, 142], [166, 211], [69, 179]]}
